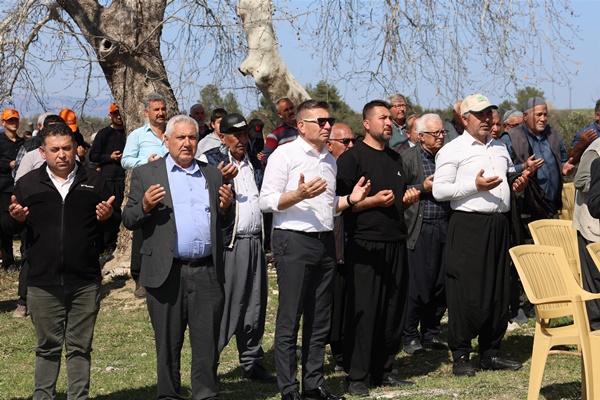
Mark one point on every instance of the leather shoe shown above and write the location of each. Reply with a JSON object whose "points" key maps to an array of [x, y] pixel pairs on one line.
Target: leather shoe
{"points": [[435, 343], [258, 373], [499, 364], [321, 393], [391, 380], [414, 347], [358, 388], [462, 366], [293, 395]]}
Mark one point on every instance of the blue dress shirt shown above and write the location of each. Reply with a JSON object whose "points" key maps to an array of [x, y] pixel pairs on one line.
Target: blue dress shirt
{"points": [[140, 145], [191, 206]]}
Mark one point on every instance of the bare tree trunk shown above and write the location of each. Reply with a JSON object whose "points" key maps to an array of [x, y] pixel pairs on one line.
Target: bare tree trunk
{"points": [[126, 38], [264, 61]]}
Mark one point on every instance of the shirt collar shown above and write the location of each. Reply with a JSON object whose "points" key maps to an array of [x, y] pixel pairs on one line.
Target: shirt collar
{"points": [[304, 145], [69, 177], [172, 166]]}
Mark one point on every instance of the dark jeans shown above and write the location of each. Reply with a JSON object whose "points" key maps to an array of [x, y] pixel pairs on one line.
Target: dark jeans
{"points": [[63, 315]]}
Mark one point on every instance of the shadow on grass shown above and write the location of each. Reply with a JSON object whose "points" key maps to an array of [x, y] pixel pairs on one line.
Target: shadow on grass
{"points": [[560, 391], [142, 393], [234, 386], [115, 284], [8, 305]]}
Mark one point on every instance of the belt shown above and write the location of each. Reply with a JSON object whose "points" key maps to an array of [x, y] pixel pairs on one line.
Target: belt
{"points": [[195, 262], [316, 235]]}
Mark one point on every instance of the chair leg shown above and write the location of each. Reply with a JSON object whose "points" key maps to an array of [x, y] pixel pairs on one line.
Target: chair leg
{"points": [[539, 356]]}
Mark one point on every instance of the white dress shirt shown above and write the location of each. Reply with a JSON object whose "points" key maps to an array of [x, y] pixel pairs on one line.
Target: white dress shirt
{"points": [[282, 175], [63, 187], [249, 217], [457, 166]]}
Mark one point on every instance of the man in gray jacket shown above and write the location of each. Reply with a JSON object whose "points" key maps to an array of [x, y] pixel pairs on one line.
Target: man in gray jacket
{"points": [[427, 223], [180, 205]]}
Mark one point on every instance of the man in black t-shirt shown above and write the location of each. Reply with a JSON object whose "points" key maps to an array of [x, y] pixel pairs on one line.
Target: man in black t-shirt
{"points": [[107, 151], [377, 273]]}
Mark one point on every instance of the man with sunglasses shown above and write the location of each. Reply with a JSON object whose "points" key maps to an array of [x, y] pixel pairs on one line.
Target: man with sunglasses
{"points": [[427, 223], [472, 174], [376, 270], [299, 189]]}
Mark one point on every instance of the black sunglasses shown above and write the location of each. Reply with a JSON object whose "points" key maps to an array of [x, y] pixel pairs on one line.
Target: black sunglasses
{"points": [[345, 141], [320, 121]]}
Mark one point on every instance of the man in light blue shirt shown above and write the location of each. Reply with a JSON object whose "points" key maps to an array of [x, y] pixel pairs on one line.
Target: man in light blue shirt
{"points": [[144, 145]]}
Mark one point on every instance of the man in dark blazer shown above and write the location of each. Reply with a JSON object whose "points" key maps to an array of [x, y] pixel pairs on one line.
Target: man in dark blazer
{"points": [[180, 205]]}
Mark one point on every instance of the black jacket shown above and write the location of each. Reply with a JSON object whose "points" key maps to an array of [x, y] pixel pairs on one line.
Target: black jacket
{"points": [[64, 238], [8, 153]]}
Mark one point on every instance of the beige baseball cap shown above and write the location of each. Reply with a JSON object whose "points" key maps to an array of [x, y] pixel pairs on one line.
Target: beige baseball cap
{"points": [[475, 103]]}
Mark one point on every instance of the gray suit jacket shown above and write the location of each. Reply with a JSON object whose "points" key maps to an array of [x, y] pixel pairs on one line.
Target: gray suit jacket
{"points": [[414, 176], [158, 226]]}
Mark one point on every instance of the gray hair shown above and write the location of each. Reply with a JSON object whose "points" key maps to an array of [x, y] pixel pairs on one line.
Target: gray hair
{"points": [[153, 97], [396, 97], [178, 119], [422, 122], [512, 113], [495, 112], [456, 106], [42, 118]]}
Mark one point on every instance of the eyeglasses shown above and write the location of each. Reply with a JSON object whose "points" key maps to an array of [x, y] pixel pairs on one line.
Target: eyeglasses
{"points": [[403, 105], [320, 121], [441, 133], [345, 141]]}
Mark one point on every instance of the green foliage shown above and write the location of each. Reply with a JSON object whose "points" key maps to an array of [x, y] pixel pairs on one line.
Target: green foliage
{"points": [[339, 109], [210, 98], [527, 92], [568, 123]]}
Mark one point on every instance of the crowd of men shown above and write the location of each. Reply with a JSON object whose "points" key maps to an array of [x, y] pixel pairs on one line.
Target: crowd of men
{"points": [[372, 235]]}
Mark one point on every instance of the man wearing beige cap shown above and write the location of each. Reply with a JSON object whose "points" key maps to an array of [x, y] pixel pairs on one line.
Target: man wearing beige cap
{"points": [[10, 143], [472, 173]]}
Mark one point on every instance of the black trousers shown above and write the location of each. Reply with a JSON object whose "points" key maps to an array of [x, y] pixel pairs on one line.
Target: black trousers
{"points": [[304, 275], [377, 288], [117, 188], [190, 297], [6, 238], [426, 292], [477, 281], [338, 311], [590, 277]]}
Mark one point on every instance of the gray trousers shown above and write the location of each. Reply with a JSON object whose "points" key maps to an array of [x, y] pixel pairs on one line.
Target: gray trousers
{"points": [[63, 315], [245, 299]]}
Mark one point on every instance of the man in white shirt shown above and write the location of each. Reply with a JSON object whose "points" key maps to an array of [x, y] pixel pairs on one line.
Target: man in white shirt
{"points": [[299, 188], [245, 264], [471, 173]]}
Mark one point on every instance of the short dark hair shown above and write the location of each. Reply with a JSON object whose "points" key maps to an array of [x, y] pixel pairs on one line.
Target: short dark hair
{"points": [[597, 109], [372, 104], [310, 105], [55, 130], [217, 113], [53, 119]]}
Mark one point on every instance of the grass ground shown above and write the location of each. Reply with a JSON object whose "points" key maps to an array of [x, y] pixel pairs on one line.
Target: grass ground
{"points": [[123, 361]]}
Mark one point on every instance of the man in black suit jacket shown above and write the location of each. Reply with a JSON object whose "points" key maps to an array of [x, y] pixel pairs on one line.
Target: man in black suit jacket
{"points": [[180, 205]]}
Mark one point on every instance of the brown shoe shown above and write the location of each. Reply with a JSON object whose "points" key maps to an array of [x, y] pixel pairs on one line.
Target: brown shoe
{"points": [[139, 291], [20, 312]]}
